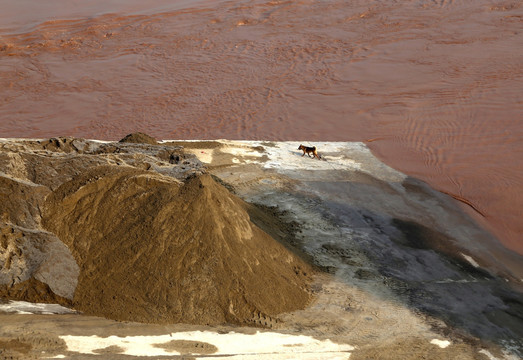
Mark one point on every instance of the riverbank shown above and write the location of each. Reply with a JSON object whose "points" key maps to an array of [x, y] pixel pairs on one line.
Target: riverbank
{"points": [[432, 87], [399, 268]]}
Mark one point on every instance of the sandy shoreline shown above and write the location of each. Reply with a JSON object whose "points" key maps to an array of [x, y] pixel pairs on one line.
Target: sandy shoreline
{"points": [[203, 150], [398, 272]]}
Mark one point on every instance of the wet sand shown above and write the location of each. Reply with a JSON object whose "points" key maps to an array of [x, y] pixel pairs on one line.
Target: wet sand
{"points": [[434, 87]]}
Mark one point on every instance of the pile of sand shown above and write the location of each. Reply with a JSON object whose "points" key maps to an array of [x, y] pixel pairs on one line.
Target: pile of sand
{"points": [[139, 138], [149, 247]]}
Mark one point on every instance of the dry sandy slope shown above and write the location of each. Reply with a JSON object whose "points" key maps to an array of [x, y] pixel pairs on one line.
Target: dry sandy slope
{"points": [[151, 250], [148, 237]]}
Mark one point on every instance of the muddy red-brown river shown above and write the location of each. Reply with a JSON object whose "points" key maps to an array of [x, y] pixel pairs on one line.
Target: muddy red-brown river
{"points": [[434, 87]]}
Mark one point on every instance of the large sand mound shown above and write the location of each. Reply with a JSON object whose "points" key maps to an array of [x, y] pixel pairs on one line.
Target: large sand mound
{"points": [[155, 240]]}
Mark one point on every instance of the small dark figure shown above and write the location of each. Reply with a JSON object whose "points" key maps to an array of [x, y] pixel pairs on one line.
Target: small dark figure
{"points": [[308, 150]]}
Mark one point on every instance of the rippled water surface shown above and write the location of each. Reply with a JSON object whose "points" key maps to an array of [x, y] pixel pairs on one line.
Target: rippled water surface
{"points": [[434, 87]]}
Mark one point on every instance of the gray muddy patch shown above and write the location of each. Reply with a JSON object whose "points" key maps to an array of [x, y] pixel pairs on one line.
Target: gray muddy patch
{"points": [[401, 241]]}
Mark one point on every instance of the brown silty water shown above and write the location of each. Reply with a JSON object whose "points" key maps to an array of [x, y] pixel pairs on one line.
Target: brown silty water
{"points": [[434, 87]]}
